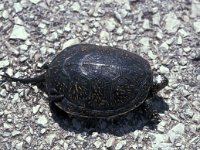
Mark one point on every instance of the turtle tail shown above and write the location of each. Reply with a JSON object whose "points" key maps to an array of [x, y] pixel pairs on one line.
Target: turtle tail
{"points": [[35, 80]]}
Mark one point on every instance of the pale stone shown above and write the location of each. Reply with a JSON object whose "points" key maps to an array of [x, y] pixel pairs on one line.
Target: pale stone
{"points": [[5, 14], [108, 2], [23, 47], [104, 35], [18, 7], [179, 40], [19, 146], [196, 117], [198, 77], [52, 37], [145, 42], [156, 19], [51, 50], [3, 93], [151, 55], [164, 45], [187, 49], [120, 31], [110, 142], [183, 33], [7, 126], [110, 25], [28, 139], [164, 69], [172, 23], [19, 32], [43, 131], [195, 8], [76, 7], [18, 21], [35, 109], [4, 63], [97, 144], [49, 138], [120, 145], [197, 26], [1, 6], [42, 25], [67, 27], [159, 138], [35, 1], [9, 71], [159, 35], [118, 16], [65, 146], [42, 120], [70, 43], [177, 131], [146, 25]]}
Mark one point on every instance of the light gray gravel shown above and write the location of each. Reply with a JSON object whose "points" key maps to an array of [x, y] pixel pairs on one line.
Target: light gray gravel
{"points": [[166, 33]]}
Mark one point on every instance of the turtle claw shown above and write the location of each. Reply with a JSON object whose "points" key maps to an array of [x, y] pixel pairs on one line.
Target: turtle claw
{"points": [[6, 77], [45, 65], [151, 114]]}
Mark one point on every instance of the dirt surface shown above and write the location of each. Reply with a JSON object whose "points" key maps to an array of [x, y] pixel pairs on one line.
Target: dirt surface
{"points": [[165, 32]]}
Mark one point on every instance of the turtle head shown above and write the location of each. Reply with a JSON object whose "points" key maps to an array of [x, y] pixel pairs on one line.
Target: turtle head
{"points": [[159, 82]]}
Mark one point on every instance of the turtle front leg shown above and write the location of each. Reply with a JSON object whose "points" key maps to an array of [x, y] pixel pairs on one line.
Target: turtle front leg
{"points": [[54, 96], [150, 112]]}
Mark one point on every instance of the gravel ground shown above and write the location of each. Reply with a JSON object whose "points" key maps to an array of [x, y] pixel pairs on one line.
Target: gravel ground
{"points": [[166, 32]]}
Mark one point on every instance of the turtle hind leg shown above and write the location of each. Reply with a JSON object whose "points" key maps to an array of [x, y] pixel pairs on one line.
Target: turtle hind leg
{"points": [[54, 96], [37, 79]]}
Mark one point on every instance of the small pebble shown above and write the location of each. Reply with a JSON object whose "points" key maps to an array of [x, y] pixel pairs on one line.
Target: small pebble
{"points": [[19, 146], [97, 144], [197, 26], [110, 25], [187, 49], [5, 14], [164, 70], [179, 40], [15, 132], [146, 25], [76, 7], [49, 139], [35, 109], [156, 19], [35, 1], [104, 35], [28, 140], [110, 142]]}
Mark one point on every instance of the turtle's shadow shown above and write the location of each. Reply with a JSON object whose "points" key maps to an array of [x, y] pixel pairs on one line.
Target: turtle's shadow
{"points": [[134, 120]]}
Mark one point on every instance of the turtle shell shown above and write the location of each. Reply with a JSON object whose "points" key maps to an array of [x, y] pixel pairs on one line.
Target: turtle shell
{"points": [[99, 81]]}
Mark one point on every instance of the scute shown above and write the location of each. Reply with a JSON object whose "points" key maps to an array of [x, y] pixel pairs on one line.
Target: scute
{"points": [[99, 81]]}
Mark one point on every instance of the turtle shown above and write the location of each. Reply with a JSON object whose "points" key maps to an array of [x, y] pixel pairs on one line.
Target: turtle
{"points": [[94, 81]]}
